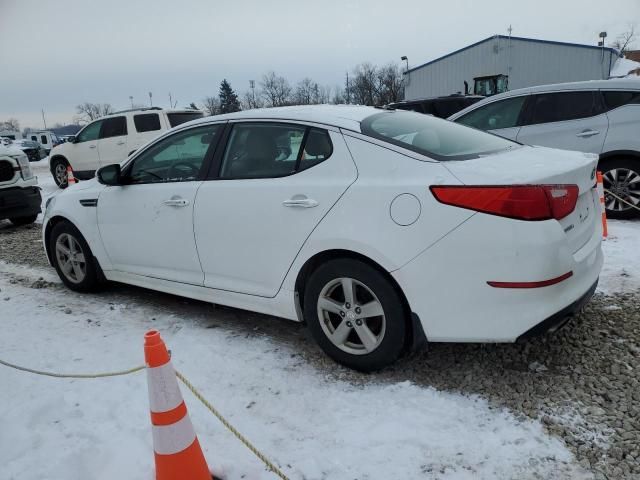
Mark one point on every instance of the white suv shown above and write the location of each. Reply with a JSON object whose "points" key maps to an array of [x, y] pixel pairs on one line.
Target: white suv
{"points": [[601, 116], [112, 139], [19, 193]]}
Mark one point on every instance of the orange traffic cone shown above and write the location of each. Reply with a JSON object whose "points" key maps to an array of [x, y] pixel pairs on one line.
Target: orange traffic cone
{"points": [[178, 455], [600, 187], [70, 178]]}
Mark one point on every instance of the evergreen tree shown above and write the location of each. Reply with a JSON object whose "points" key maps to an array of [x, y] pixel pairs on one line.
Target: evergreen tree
{"points": [[228, 99]]}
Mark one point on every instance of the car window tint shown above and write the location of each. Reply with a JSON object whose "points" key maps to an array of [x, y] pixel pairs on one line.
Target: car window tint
{"points": [[617, 98], [177, 158], [317, 148], [43, 139], [146, 122], [178, 118], [495, 115], [431, 136], [90, 132], [113, 127], [260, 150], [558, 107]]}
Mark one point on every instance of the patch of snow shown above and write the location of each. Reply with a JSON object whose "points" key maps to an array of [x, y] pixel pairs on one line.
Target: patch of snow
{"points": [[623, 68], [621, 270], [309, 423]]}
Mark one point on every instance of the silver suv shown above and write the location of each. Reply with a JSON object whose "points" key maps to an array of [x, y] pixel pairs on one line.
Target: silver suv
{"points": [[601, 116]]}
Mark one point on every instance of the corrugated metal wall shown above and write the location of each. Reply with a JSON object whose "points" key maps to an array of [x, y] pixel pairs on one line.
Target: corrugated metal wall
{"points": [[527, 63]]}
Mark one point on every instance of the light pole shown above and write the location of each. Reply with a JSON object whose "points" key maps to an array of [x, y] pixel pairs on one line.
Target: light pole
{"points": [[252, 86], [150, 99], [404, 57], [131, 100]]}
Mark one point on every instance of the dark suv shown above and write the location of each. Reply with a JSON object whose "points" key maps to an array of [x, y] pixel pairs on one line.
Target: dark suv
{"points": [[442, 107]]}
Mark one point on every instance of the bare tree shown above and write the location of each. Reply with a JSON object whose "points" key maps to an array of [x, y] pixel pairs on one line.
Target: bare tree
{"points": [[211, 105], [390, 85], [276, 90], [624, 41], [338, 96], [363, 86], [88, 112], [251, 100], [11, 124], [306, 92]]}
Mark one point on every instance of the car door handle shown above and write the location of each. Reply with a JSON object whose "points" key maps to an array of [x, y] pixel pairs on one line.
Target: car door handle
{"points": [[92, 146], [120, 143], [176, 202], [587, 133], [300, 203]]}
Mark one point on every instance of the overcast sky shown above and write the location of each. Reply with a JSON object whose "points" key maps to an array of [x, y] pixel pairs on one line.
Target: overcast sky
{"points": [[56, 54]]}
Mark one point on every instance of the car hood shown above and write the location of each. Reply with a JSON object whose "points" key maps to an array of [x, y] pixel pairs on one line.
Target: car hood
{"points": [[85, 185]]}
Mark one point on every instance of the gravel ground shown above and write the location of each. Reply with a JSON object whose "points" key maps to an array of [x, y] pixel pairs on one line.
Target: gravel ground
{"points": [[582, 382]]}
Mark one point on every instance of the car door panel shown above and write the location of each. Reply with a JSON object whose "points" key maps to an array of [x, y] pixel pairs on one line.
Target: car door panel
{"points": [[84, 154], [146, 224], [112, 144], [249, 231]]}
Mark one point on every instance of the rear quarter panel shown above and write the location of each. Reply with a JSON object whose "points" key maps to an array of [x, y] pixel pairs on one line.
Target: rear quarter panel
{"points": [[624, 129]]}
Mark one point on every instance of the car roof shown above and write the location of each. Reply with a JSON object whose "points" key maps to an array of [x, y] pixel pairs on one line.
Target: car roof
{"points": [[613, 84], [454, 96], [150, 110], [340, 116]]}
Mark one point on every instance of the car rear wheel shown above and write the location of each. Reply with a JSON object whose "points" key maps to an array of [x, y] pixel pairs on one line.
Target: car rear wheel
{"points": [[19, 221], [72, 258], [621, 180], [355, 314], [59, 172]]}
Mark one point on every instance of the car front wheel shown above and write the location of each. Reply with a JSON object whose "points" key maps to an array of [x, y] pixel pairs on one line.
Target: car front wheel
{"points": [[355, 314], [621, 180], [72, 258]]}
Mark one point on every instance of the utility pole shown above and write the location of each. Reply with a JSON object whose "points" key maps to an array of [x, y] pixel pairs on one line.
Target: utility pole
{"points": [[131, 100], [252, 86], [348, 92], [43, 120]]}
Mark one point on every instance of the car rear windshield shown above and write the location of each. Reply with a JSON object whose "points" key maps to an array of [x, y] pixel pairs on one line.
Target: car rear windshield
{"points": [[176, 119], [433, 137]]}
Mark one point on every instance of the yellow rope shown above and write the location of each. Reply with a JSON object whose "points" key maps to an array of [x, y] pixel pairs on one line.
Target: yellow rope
{"points": [[74, 375], [230, 427], [622, 200]]}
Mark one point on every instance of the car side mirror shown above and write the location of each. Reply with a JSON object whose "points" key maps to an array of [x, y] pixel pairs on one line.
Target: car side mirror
{"points": [[110, 175], [71, 139]]}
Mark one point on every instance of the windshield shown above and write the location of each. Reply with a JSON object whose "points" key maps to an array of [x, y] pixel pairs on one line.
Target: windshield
{"points": [[434, 137]]}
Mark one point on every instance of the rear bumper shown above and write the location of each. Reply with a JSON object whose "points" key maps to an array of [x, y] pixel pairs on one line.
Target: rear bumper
{"points": [[19, 202], [446, 285], [558, 320]]}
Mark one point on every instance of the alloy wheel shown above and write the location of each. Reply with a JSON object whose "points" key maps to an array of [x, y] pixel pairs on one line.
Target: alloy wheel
{"points": [[71, 258], [351, 316], [623, 183], [60, 172]]}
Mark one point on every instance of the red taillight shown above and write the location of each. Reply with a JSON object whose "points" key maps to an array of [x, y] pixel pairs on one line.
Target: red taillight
{"points": [[522, 202]]}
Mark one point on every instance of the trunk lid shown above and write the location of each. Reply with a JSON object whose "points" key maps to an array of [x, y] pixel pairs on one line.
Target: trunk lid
{"points": [[539, 165]]}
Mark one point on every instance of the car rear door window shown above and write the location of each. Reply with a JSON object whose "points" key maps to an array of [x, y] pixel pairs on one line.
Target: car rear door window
{"points": [[177, 158], [113, 127], [146, 122], [495, 115], [43, 139], [317, 148], [563, 106], [617, 98]]}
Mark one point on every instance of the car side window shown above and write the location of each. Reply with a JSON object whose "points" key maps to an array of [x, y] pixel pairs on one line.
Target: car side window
{"points": [[90, 132], [147, 122], [617, 98], [43, 139], [562, 106], [177, 158], [262, 150], [113, 127], [317, 148], [501, 114]]}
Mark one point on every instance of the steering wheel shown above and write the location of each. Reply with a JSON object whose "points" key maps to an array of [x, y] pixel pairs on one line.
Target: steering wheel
{"points": [[183, 169]]}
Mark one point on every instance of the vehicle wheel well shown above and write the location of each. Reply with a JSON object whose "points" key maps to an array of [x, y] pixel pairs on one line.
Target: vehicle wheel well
{"points": [[57, 157], [619, 154], [414, 338], [47, 232]]}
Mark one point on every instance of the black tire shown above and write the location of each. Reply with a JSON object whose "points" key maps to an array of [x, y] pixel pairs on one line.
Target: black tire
{"points": [[91, 280], [391, 342], [19, 221], [615, 208], [59, 162]]}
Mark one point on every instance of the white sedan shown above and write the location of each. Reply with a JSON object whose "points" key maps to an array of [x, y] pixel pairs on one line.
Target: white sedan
{"points": [[379, 229]]}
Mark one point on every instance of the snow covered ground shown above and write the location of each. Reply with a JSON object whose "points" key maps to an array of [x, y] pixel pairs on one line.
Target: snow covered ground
{"points": [[310, 422]]}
